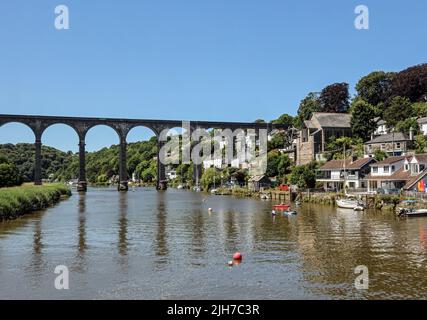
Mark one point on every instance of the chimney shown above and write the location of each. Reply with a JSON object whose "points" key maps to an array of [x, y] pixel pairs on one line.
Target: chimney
{"points": [[411, 134]]}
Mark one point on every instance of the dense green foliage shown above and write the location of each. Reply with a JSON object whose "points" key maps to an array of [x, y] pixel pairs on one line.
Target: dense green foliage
{"points": [[362, 121], [101, 166], [9, 174], [303, 176], [307, 107], [22, 155], [335, 98], [17, 201], [375, 88]]}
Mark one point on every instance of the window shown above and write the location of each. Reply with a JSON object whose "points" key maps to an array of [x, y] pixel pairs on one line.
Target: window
{"points": [[397, 145], [422, 167], [383, 146], [386, 169], [406, 167], [374, 169], [392, 168]]}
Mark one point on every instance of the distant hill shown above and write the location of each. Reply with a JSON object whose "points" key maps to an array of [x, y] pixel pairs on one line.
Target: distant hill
{"points": [[101, 165]]}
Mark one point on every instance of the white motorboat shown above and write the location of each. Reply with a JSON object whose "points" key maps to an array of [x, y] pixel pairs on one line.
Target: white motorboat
{"points": [[350, 204], [408, 212]]}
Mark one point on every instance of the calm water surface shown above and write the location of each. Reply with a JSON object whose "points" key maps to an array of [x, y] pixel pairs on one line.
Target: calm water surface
{"points": [[166, 245]]}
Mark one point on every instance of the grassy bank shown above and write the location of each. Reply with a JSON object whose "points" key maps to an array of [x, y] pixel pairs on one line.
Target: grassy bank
{"points": [[238, 192], [17, 201]]}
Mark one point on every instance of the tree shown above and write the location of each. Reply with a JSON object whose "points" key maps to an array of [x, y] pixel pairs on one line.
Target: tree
{"points": [[420, 109], [276, 142], [307, 107], [273, 158], [9, 174], [420, 144], [283, 166], [335, 98], [399, 109], [303, 176], [259, 121], [411, 83], [336, 147], [210, 177], [380, 155], [375, 87], [285, 119], [406, 125], [362, 119]]}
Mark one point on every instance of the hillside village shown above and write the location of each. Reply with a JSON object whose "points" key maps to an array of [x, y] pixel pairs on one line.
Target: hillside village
{"points": [[373, 142]]}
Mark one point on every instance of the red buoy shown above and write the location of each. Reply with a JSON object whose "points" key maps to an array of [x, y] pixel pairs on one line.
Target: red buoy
{"points": [[237, 256]]}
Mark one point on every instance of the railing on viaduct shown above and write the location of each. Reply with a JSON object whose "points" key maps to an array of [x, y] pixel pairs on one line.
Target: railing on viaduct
{"points": [[38, 124]]}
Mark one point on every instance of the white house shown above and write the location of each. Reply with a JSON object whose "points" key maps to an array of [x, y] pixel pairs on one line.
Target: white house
{"points": [[422, 122], [336, 174], [394, 173]]}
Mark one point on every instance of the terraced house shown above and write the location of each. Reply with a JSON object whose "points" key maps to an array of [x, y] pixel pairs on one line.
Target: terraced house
{"points": [[398, 173], [351, 174]]}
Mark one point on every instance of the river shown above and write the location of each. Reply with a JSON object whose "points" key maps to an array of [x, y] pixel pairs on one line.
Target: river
{"points": [[167, 245]]}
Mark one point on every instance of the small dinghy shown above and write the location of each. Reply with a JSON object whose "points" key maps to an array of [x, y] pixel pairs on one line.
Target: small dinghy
{"points": [[290, 213], [281, 206]]}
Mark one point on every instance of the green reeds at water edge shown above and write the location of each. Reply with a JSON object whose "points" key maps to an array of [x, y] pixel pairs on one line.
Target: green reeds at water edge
{"points": [[17, 201]]}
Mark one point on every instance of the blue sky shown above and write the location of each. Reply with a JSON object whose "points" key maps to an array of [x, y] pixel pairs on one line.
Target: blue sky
{"points": [[191, 59]]}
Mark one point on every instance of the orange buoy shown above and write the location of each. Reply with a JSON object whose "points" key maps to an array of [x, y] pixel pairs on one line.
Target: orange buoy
{"points": [[237, 256]]}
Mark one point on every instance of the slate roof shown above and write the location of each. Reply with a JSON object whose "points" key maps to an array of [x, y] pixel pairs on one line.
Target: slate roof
{"points": [[398, 136], [349, 164], [332, 120], [389, 160]]}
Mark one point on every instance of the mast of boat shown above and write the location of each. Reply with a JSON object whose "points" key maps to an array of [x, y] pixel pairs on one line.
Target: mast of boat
{"points": [[345, 173]]}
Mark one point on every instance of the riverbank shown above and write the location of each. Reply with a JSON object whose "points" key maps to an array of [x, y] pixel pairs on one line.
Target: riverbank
{"points": [[17, 201], [383, 202], [238, 192]]}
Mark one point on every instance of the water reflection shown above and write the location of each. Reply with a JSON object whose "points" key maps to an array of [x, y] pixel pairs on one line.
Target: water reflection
{"points": [[80, 259], [114, 249], [161, 236], [123, 223], [82, 224]]}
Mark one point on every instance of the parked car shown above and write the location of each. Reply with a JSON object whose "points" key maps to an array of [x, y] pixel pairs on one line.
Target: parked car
{"points": [[284, 187]]}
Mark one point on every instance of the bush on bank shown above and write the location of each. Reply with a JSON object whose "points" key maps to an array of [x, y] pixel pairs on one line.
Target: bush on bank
{"points": [[17, 201]]}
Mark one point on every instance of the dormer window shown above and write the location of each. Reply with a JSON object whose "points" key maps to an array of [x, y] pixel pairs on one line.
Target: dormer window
{"points": [[374, 169], [386, 169], [415, 168], [392, 168], [406, 167]]}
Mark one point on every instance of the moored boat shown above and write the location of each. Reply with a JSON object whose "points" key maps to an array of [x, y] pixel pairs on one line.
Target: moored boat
{"points": [[281, 206], [350, 204], [408, 212]]}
